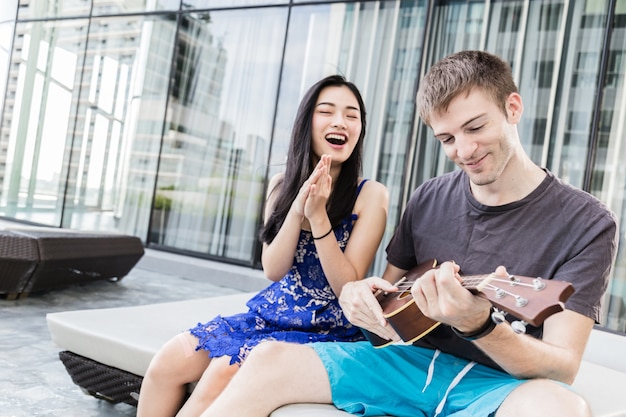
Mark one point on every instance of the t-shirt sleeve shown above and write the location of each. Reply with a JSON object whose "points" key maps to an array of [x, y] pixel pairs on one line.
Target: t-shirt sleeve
{"points": [[589, 267]]}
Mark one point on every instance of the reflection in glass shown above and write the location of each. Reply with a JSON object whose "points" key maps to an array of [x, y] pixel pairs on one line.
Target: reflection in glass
{"points": [[37, 124], [115, 150], [107, 7], [552, 77], [571, 128], [218, 129], [456, 26], [37, 9], [7, 26], [206, 4], [351, 39], [85, 133], [608, 179]]}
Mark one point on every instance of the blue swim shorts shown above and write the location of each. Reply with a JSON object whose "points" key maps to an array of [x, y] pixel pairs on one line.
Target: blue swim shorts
{"points": [[410, 381]]}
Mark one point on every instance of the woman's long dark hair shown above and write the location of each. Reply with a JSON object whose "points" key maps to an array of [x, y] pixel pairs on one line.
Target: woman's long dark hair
{"points": [[300, 159]]}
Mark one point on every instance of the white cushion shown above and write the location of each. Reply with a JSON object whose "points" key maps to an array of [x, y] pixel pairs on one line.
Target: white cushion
{"points": [[601, 379], [603, 388], [128, 337], [607, 348]]}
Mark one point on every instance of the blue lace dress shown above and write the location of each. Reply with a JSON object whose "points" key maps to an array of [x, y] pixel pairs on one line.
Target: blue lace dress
{"points": [[300, 308]]}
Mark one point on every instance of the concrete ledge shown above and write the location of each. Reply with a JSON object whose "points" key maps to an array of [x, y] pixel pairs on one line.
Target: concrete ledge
{"points": [[225, 275]]}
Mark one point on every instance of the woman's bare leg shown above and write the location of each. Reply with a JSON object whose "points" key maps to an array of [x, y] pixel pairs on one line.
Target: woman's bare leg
{"points": [[164, 386], [274, 374], [213, 381]]}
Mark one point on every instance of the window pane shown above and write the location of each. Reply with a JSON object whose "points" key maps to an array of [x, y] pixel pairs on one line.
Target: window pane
{"points": [[108, 7], [35, 9], [119, 127], [206, 4], [7, 26], [219, 124], [352, 40], [578, 76], [556, 82], [609, 171], [456, 26], [38, 121]]}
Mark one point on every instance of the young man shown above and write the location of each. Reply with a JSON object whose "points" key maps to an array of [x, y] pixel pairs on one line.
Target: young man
{"points": [[499, 212]]}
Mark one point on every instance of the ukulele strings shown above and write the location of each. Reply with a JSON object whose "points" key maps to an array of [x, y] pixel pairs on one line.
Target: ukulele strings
{"points": [[499, 291], [471, 282]]}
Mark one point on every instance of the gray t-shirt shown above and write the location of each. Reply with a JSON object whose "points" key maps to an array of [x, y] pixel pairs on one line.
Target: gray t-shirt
{"points": [[557, 232]]}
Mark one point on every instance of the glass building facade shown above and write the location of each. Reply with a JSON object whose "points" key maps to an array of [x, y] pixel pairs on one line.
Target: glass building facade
{"points": [[165, 118]]}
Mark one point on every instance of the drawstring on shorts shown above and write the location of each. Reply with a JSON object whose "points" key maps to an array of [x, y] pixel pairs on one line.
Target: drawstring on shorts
{"points": [[454, 383]]}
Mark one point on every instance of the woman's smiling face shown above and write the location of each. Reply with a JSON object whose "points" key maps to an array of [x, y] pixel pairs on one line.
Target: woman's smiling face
{"points": [[336, 123]]}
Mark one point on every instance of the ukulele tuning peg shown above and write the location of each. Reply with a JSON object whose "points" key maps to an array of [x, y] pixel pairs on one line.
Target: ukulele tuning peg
{"points": [[519, 327], [513, 279], [498, 317], [520, 301], [538, 284]]}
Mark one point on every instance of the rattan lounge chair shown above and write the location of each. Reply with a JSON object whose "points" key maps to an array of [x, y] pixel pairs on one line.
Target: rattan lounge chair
{"points": [[41, 259]]}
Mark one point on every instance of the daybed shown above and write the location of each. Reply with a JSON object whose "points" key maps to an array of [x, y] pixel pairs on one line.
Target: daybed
{"points": [[106, 351]]}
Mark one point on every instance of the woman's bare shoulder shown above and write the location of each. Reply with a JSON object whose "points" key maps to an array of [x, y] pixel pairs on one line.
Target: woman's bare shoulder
{"points": [[375, 188], [373, 192]]}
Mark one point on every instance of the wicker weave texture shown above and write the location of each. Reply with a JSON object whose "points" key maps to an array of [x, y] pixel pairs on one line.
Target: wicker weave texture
{"points": [[15, 246], [74, 257], [18, 258], [101, 381], [72, 245], [60, 258]]}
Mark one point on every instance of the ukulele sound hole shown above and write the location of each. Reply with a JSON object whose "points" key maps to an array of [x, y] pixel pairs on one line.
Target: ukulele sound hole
{"points": [[404, 294]]}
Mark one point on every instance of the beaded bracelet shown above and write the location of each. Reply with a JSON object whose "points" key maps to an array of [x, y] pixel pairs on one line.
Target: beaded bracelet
{"points": [[483, 331], [323, 236]]}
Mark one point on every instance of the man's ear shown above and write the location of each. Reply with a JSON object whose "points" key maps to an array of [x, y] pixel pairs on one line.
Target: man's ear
{"points": [[514, 108]]}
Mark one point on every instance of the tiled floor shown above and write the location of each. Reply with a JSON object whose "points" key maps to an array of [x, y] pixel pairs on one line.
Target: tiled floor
{"points": [[33, 381]]}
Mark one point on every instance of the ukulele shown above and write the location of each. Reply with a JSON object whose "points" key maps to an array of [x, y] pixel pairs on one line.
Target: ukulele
{"points": [[531, 300]]}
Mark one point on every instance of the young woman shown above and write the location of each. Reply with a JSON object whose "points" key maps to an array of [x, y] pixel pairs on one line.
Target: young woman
{"points": [[323, 225]]}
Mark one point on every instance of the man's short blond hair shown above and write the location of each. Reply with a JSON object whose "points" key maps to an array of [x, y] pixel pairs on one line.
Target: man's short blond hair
{"points": [[460, 73]]}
